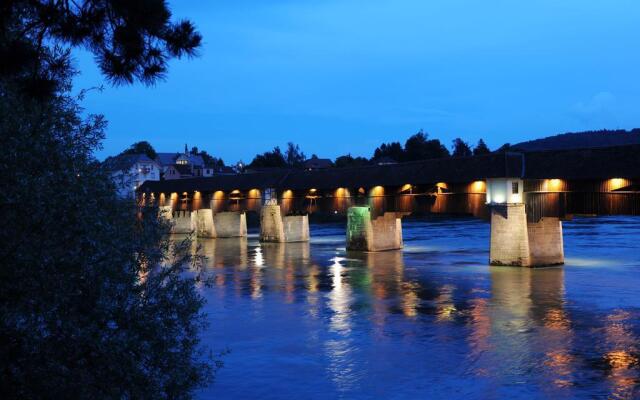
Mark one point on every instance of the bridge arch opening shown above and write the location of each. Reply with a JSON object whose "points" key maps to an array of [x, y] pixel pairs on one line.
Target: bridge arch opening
{"points": [[341, 200], [617, 183], [311, 200], [479, 187], [254, 200]]}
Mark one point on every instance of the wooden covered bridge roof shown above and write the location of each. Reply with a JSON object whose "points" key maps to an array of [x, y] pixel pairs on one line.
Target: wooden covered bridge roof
{"points": [[584, 164], [600, 163]]}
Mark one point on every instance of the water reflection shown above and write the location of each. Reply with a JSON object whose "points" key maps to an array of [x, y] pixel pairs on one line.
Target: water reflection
{"points": [[524, 326], [622, 354], [340, 298], [222, 252], [339, 347], [358, 320]]}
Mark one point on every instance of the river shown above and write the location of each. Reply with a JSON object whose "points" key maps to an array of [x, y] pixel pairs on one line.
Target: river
{"points": [[311, 321]]}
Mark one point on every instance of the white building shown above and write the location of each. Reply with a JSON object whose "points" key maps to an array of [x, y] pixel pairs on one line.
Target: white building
{"points": [[187, 166], [129, 171]]}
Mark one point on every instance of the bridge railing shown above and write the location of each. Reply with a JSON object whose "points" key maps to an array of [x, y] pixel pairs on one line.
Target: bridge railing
{"points": [[565, 204], [420, 203], [604, 203], [545, 204]]}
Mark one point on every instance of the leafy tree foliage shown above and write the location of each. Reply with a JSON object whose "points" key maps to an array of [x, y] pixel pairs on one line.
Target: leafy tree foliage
{"points": [[95, 301], [269, 159], [294, 156], [461, 148], [143, 147], [481, 148], [209, 160], [420, 147], [131, 40], [350, 161], [87, 308], [392, 150], [417, 147]]}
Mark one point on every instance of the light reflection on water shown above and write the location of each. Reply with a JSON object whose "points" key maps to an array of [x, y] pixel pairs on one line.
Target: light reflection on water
{"points": [[310, 320]]}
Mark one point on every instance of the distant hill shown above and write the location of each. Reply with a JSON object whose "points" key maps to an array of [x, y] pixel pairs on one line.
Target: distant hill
{"points": [[577, 140]]}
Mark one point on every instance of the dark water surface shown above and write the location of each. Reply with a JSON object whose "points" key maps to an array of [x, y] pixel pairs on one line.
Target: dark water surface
{"points": [[311, 321]]}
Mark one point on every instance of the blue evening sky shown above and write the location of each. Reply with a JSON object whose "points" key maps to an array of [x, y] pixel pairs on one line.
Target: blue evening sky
{"points": [[342, 76]]}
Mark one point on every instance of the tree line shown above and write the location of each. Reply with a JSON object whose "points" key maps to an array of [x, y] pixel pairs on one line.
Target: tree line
{"points": [[417, 147]]}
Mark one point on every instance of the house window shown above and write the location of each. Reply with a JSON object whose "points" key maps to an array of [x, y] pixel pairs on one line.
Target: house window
{"points": [[269, 196], [515, 187]]}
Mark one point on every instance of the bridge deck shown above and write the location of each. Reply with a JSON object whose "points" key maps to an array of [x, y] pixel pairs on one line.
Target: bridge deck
{"points": [[556, 183], [583, 164]]}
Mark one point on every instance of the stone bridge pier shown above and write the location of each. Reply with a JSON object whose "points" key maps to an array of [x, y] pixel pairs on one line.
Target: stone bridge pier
{"points": [[514, 240], [205, 228], [230, 224], [282, 229], [205, 223], [183, 222], [377, 234]]}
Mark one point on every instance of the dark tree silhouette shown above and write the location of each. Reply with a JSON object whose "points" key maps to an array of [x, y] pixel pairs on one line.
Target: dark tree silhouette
{"points": [[349, 161], [142, 147], [419, 147], [209, 160], [416, 147], [294, 156], [93, 301], [481, 148], [460, 148], [392, 150], [504, 148], [269, 159], [131, 40]]}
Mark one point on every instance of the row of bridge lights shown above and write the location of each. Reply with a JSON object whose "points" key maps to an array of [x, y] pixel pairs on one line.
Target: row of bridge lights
{"points": [[478, 186], [555, 185], [551, 185]]}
